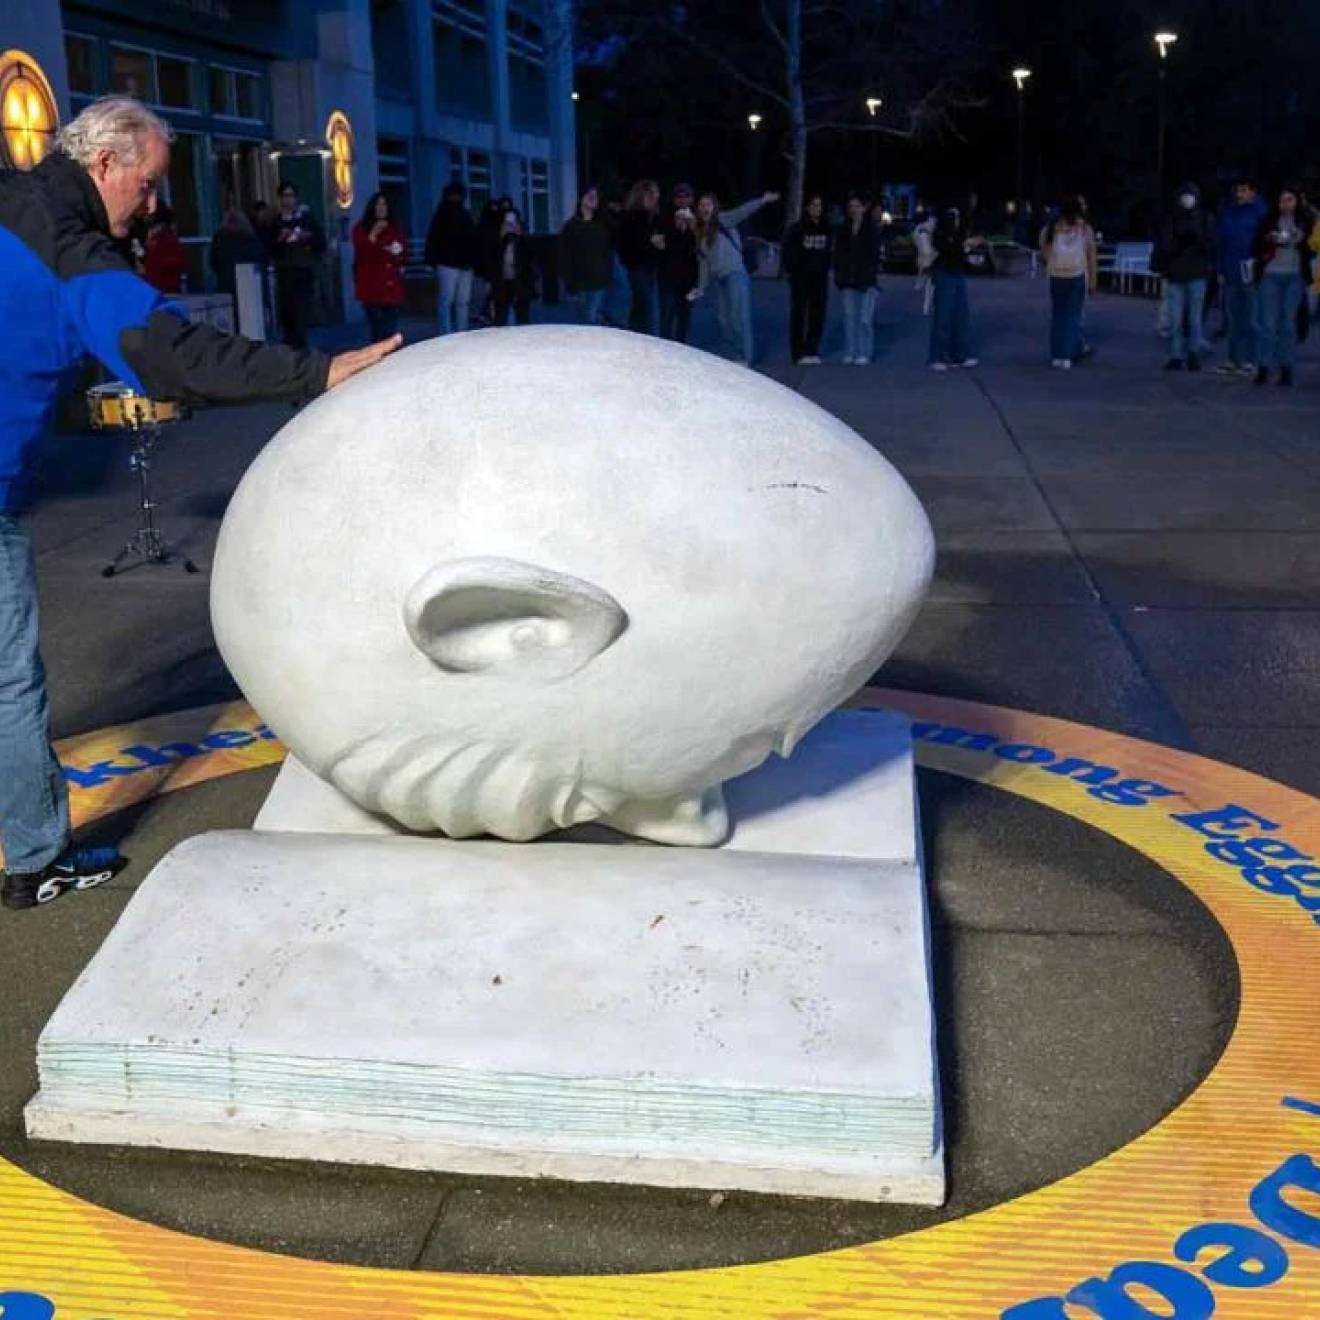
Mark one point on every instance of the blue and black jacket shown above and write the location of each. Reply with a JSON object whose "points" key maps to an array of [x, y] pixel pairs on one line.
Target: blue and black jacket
{"points": [[67, 289]]}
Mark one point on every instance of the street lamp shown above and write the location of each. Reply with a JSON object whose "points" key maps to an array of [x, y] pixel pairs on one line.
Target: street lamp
{"points": [[873, 104], [753, 122], [1163, 40], [1020, 76]]}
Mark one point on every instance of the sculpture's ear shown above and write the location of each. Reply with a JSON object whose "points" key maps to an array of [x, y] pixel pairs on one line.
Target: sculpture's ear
{"points": [[506, 618]]}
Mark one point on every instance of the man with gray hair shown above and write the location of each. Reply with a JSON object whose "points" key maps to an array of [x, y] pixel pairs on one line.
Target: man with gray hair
{"points": [[69, 290]]}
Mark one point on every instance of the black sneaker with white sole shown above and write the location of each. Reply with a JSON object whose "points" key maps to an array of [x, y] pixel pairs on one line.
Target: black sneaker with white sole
{"points": [[79, 868]]}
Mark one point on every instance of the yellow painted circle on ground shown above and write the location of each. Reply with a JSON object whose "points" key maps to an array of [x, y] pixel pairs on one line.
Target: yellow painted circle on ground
{"points": [[1256, 1110]]}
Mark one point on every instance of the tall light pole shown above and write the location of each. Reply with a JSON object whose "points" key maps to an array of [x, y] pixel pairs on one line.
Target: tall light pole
{"points": [[1163, 40], [873, 104], [1020, 76]]}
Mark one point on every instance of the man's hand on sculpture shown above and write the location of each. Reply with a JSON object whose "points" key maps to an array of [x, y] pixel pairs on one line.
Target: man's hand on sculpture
{"points": [[344, 365]]}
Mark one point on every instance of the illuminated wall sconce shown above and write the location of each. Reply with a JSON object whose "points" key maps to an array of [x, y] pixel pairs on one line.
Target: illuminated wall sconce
{"points": [[28, 116], [339, 138]]}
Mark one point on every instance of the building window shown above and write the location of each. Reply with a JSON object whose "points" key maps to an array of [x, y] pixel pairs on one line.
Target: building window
{"points": [[536, 196], [247, 96], [234, 93], [394, 173], [527, 85], [175, 82], [462, 75], [391, 45], [185, 184], [472, 170], [80, 55], [132, 73]]}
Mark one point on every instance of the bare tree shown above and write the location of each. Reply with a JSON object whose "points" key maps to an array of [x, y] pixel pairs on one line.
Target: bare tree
{"points": [[815, 61]]}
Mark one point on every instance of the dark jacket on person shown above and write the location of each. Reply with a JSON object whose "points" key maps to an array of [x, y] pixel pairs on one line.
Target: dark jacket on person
{"points": [[949, 240], [231, 248], [807, 249], [486, 243], [69, 290], [1185, 249], [296, 239], [524, 269], [678, 269], [452, 238], [1264, 247], [856, 255], [636, 229], [585, 249]]}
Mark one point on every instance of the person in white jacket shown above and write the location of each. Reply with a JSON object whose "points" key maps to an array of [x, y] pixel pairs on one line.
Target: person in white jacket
{"points": [[720, 262]]}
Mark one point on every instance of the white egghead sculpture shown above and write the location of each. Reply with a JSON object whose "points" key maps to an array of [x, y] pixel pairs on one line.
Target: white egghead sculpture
{"points": [[519, 579]]}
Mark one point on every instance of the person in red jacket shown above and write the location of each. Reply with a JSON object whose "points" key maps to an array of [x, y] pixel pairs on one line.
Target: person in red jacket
{"points": [[165, 262], [380, 248]]}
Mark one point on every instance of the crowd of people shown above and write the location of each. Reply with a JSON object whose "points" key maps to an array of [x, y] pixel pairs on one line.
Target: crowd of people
{"points": [[643, 264]]}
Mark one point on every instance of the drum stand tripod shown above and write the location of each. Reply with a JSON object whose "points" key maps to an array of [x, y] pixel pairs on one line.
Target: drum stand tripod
{"points": [[147, 543]]}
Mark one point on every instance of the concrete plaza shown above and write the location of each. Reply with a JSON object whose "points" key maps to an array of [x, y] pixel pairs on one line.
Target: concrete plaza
{"points": [[1119, 546]]}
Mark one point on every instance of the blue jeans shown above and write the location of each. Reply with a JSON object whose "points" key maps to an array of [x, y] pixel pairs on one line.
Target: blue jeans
{"points": [[34, 803], [1280, 297], [858, 323], [1242, 312], [587, 304], [951, 318], [733, 309], [644, 307], [618, 297], [454, 298], [1185, 300], [1067, 298]]}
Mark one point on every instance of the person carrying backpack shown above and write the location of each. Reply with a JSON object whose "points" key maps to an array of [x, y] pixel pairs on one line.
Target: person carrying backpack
{"points": [[721, 263], [1068, 246]]}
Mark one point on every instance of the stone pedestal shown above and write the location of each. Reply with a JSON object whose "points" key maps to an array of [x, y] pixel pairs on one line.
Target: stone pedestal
{"points": [[756, 1016]]}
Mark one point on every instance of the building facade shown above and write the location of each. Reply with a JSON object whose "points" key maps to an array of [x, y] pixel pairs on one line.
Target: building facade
{"points": [[341, 96]]}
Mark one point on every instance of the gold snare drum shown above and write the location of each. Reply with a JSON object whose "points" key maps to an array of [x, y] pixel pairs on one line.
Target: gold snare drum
{"points": [[115, 407]]}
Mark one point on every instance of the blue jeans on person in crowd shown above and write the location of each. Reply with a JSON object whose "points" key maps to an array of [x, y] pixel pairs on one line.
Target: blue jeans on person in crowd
{"points": [[587, 305], [858, 323], [951, 318], [1280, 297], [644, 304], [733, 310], [382, 321], [34, 803], [454, 298], [1067, 298], [1242, 314], [618, 297], [1184, 308]]}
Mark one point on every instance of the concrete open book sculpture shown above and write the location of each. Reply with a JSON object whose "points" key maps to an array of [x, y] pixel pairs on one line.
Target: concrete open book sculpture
{"points": [[510, 583]]}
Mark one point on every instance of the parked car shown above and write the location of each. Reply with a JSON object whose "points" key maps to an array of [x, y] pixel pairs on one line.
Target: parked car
{"points": [[980, 256], [898, 249]]}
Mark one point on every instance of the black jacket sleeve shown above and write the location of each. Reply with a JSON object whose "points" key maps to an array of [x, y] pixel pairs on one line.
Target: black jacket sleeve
{"points": [[199, 365]]}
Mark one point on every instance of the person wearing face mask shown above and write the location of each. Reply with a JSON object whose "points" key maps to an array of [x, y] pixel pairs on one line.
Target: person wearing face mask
{"points": [[1283, 272], [1185, 256]]}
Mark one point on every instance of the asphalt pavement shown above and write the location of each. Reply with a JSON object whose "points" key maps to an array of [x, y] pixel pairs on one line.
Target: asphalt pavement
{"points": [[1118, 545]]}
